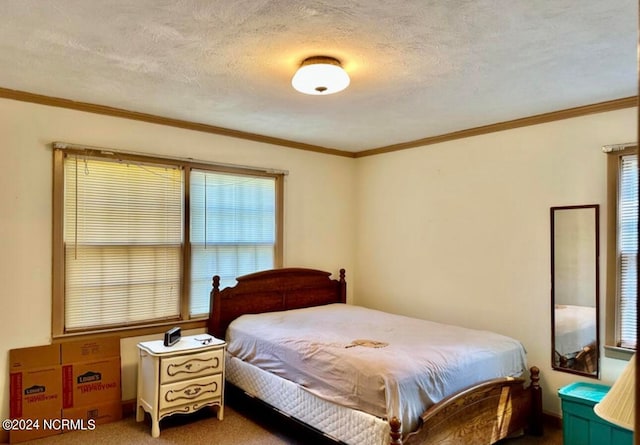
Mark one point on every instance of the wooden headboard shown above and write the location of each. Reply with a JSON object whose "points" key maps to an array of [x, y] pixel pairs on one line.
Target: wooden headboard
{"points": [[270, 291]]}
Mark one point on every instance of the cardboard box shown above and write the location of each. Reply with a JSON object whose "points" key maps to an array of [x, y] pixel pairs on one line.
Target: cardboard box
{"points": [[90, 383], [89, 350], [35, 357], [78, 381], [35, 389], [90, 415], [90, 373]]}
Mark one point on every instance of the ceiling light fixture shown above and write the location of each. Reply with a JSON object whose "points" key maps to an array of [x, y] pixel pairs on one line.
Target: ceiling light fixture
{"points": [[320, 75]]}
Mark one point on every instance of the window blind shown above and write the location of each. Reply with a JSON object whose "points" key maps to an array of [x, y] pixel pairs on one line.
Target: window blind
{"points": [[123, 237], [628, 249], [232, 230]]}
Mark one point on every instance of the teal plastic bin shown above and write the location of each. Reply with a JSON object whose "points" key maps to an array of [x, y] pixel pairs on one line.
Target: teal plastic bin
{"points": [[581, 425]]}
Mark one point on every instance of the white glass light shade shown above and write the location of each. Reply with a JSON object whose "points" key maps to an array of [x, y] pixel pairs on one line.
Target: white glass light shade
{"points": [[618, 406], [320, 76]]}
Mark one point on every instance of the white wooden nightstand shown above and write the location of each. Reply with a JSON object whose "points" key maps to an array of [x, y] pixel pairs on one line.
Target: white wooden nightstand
{"points": [[181, 378]]}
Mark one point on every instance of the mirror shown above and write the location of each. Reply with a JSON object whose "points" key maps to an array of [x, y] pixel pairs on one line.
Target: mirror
{"points": [[575, 289]]}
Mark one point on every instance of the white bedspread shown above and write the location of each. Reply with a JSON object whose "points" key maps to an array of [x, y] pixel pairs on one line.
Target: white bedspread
{"points": [[423, 362], [575, 328]]}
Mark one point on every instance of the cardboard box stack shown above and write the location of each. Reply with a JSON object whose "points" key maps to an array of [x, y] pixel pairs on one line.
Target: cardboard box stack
{"points": [[68, 386], [35, 389], [91, 380]]}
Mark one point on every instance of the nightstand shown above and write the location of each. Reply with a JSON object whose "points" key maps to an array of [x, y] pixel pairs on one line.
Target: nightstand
{"points": [[180, 379], [581, 425]]}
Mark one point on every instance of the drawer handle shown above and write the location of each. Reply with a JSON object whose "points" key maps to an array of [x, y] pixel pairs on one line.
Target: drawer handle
{"points": [[190, 392], [185, 367]]}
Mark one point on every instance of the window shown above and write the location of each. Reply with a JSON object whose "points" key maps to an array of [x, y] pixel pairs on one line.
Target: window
{"points": [[138, 239], [623, 249], [232, 230]]}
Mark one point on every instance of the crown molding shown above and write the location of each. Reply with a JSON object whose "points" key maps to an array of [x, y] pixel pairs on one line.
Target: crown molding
{"points": [[612, 105], [24, 96]]}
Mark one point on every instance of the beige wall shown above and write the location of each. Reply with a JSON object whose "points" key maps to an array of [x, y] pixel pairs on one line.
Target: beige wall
{"points": [[459, 232], [319, 218]]}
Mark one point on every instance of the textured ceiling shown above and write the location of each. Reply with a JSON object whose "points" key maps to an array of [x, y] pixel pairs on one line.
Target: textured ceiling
{"points": [[419, 68]]}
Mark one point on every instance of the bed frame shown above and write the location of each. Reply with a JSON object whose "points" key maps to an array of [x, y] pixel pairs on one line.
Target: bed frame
{"points": [[582, 361], [481, 414]]}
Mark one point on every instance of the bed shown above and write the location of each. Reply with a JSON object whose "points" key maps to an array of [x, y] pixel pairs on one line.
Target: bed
{"points": [[575, 338], [477, 408]]}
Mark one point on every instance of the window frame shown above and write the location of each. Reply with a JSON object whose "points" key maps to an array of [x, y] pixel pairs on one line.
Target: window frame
{"points": [[61, 150], [612, 319]]}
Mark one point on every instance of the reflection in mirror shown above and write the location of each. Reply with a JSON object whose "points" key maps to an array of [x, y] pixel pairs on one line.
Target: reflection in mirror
{"points": [[575, 289]]}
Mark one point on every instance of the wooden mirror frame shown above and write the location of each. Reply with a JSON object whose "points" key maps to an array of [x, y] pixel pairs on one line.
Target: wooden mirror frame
{"points": [[589, 357]]}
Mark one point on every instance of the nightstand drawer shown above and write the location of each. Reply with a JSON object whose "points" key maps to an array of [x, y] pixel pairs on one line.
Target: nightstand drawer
{"points": [[190, 391], [191, 366]]}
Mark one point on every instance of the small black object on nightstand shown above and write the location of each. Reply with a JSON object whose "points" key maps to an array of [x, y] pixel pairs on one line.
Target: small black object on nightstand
{"points": [[172, 336]]}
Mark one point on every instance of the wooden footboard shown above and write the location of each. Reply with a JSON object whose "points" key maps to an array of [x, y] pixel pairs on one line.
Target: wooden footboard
{"points": [[482, 414]]}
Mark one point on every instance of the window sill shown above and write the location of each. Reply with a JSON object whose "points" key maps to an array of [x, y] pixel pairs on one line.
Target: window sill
{"points": [[618, 353], [138, 331]]}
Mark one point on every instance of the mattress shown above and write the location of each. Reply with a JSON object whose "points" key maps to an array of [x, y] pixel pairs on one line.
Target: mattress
{"points": [[342, 424], [379, 363], [575, 328]]}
